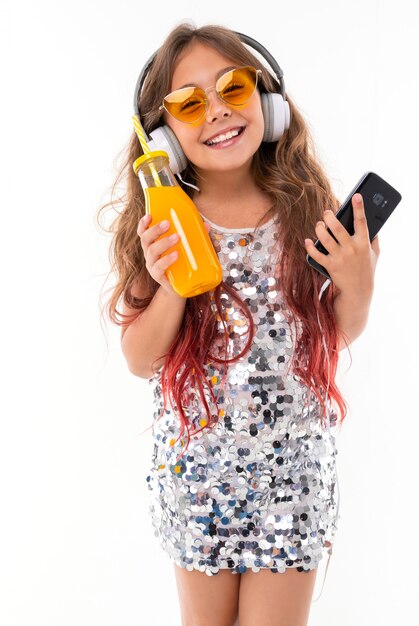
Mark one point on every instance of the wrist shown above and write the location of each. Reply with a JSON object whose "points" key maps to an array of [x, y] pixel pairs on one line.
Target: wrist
{"points": [[358, 297], [171, 295]]}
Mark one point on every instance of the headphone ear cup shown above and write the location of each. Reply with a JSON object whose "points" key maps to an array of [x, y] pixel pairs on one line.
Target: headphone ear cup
{"points": [[276, 114], [163, 138]]}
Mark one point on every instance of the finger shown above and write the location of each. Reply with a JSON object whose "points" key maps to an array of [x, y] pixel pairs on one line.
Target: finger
{"points": [[143, 224], [160, 246], [154, 232], [360, 219], [326, 238], [166, 261], [316, 254], [337, 229]]}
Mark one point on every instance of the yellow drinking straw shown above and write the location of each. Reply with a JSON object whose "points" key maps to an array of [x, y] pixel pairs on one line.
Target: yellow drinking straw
{"points": [[141, 136]]}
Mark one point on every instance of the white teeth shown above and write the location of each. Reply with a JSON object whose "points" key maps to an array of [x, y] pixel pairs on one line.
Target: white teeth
{"points": [[220, 138]]}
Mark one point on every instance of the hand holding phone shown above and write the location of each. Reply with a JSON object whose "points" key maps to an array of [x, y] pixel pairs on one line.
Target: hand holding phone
{"points": [[380, 200]]}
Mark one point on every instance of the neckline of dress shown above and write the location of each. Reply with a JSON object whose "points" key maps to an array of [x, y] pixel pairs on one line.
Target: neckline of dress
{"points": [[238, 230]]}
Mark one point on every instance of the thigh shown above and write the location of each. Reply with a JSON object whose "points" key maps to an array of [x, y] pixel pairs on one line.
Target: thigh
{"points": [[207, 600], [276, 599]]}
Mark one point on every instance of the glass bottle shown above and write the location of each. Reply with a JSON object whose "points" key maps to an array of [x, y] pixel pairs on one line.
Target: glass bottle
{"points": [[197, 268]]}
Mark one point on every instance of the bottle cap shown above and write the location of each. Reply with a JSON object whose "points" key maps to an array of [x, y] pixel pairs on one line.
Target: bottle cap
{"points": [[153, 154]]}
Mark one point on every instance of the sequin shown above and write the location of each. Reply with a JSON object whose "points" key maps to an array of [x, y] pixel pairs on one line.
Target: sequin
{"points": [[258, 491]]}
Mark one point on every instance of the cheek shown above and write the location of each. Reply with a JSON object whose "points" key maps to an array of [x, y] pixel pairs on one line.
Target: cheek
{"points": [[258, 126], [187, 136], [257, 119], [180, 130], [175, 126], [261, 125]]}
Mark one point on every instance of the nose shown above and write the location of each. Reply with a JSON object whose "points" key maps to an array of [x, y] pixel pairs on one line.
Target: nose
{"points": [[216, 107]]}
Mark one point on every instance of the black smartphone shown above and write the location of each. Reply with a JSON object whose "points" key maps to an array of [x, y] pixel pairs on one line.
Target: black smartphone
{"points": [[380, 200]]}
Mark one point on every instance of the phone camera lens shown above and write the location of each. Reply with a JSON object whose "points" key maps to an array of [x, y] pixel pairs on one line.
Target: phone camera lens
{"points": [[377, 198]]}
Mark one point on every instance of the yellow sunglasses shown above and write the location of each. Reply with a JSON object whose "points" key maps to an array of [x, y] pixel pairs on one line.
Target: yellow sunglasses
{"points": [[190, 104]]}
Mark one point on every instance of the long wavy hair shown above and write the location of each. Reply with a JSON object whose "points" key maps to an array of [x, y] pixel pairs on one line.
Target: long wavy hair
{"points": [[289, 172]]}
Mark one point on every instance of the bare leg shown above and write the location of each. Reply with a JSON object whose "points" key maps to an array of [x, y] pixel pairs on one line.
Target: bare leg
{"points": [[207, 600], [275, 599]]}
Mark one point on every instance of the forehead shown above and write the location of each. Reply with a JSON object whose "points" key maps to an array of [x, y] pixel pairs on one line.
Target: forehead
{"points": [[200, 64]]}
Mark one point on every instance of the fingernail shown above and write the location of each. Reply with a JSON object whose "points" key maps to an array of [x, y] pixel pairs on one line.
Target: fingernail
{"points": [[164, 224], [357, 197]]}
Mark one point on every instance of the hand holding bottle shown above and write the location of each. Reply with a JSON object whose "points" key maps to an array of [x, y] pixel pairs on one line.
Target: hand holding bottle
{"points": [[154, 248]]}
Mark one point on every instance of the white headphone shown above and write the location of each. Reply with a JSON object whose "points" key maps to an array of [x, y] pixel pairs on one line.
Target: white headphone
{"points": [[275, 108]]}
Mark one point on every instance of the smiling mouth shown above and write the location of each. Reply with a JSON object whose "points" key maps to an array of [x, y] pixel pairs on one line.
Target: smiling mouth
{"points": [[224, 139]]}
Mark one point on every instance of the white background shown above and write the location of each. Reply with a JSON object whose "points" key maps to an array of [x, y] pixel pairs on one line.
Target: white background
{"points": [[77, 545]]}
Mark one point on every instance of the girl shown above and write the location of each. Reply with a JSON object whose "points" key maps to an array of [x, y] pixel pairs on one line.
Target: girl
{"points": [[243, 478]]}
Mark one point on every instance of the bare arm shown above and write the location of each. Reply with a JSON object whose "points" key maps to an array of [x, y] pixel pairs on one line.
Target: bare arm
{"points": [[351, 264], [351, 316], [154, 331], [152, 334]]}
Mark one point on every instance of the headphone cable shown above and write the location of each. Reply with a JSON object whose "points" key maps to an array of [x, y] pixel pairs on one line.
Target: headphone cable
{"points": [[330, 548]]}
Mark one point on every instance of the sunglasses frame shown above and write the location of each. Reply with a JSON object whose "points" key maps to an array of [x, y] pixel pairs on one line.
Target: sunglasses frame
{"points": [[205, 91]]}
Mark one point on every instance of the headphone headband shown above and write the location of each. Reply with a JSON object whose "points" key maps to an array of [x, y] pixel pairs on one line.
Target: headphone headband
{"points": [[268, 57]]}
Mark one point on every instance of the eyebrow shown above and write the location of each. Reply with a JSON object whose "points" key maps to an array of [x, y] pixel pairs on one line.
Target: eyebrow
{"points": [[217, 76]]}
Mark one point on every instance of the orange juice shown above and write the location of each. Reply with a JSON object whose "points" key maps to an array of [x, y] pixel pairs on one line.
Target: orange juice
{"points": [[197, 268]]}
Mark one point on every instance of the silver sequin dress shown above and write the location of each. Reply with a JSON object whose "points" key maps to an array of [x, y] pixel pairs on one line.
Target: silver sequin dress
{"points": [[258, 491]]}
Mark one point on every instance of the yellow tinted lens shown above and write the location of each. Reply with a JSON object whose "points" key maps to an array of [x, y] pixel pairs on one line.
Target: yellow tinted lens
{"points": [[237, 86], [186, 105]]}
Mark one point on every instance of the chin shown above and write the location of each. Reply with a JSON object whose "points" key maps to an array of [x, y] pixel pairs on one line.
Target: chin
{"points": [[228, 161]]}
